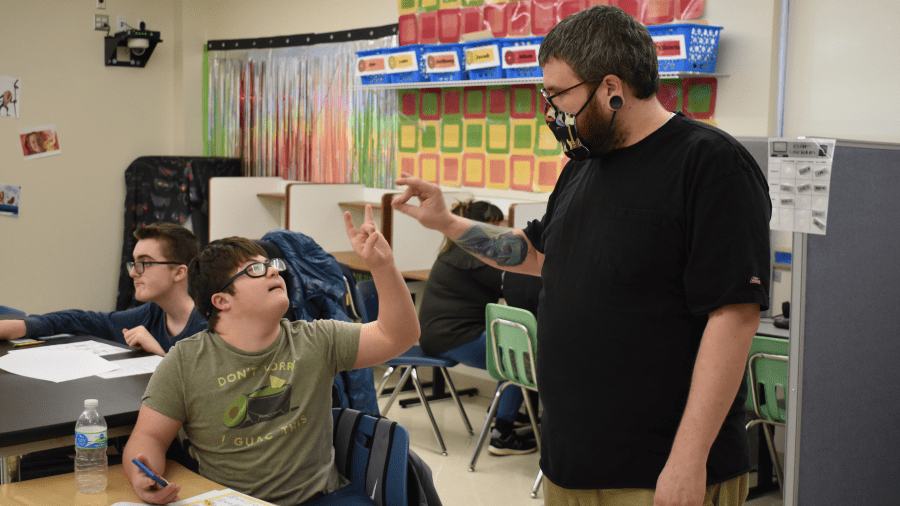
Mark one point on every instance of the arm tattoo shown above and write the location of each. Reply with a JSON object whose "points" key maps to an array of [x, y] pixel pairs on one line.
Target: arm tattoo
{"points": [[495, 243]]}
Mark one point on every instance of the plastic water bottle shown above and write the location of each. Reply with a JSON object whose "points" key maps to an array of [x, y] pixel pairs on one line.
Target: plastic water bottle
{"points": [[90, 450]]}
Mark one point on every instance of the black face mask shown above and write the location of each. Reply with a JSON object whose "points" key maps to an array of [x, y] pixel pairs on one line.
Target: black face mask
{"points": [[564, 129]]}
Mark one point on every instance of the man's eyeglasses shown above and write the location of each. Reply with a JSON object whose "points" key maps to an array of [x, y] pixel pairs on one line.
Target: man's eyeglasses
{"points": [[141, 266], [547, 96], [257, 270]]}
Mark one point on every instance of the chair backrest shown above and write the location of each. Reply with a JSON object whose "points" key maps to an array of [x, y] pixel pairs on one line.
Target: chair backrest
{"points": [[768, 375], [511, 344], [372, 453], [369, 298], [771, 346]]}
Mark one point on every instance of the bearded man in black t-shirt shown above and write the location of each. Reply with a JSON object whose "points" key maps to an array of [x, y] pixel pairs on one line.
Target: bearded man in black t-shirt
{"points": [[654, 257]]}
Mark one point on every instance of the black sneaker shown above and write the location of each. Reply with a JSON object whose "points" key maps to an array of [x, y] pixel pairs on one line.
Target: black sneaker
{"points": [[511, 444]]}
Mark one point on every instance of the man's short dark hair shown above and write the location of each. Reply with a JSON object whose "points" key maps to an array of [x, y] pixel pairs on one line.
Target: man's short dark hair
{"points": [[212, 267], [604, 40], [179, 244]]}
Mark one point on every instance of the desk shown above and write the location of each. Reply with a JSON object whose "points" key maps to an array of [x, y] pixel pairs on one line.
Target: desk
{"points": [[767, 328], [356, 263], [60, 489], [40, 415]]}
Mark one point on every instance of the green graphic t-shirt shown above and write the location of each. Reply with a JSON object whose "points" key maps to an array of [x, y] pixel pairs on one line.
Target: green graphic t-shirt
{"points": [[260, 421]]}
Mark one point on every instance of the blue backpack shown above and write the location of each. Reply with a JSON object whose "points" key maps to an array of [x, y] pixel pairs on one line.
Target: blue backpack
{"points": [[373, 453]]}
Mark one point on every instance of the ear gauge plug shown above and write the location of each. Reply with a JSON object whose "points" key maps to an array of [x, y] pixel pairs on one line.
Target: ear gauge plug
{"points": [[616, 102]]}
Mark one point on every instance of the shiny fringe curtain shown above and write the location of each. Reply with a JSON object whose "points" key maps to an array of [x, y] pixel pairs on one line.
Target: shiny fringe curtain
{"points": [[300, 113]]}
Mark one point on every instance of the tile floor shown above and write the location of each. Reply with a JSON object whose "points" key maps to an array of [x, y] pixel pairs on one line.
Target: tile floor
{"points": [[497, 481]]}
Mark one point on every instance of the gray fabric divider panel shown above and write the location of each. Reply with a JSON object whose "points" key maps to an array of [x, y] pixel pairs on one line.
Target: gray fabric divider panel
{"points": [[849, 449]]}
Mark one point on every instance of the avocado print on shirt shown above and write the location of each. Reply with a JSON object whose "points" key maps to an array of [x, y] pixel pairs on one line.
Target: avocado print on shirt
{"points": [[260, 406]]}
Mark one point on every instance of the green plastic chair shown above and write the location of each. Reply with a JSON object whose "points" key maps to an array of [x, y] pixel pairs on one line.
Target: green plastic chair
{"points": [[511, 345], [768, 366], [771, 346]]}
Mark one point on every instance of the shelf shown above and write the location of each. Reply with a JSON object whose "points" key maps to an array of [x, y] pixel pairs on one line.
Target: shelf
{"points": [[360, 204], [454, 84], [509, 82], [682, 75]]}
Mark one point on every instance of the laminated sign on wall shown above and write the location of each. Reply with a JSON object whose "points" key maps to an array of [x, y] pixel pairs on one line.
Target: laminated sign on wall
{"points": [[799, 178]]}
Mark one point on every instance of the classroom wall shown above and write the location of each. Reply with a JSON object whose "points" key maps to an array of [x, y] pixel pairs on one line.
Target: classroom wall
{"points": [[106, 117], [843, 70], [63, 250]]}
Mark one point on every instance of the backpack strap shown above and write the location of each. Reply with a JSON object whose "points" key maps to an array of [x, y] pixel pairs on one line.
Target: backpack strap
{"points": [[344, 429], [377, 472]]}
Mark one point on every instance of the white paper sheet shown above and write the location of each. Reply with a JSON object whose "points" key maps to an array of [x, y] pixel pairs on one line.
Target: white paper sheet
{"points": [[93, 347], [226, 497], [799, 176], [133, 367], [54, 364]]}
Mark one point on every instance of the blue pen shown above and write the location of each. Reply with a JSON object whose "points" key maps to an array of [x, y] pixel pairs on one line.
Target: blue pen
{"points": [[150, 474], [54, 336]]}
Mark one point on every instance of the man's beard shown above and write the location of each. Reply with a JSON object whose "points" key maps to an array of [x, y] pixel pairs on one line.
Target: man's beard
{"points": [[599, 134]]}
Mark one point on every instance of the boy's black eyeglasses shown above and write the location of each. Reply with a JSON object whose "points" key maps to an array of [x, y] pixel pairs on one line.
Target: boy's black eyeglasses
{"points": [[141, 266], [256, 270]]}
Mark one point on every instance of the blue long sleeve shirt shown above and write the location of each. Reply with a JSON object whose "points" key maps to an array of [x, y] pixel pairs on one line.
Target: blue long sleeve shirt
{"points": [[110, 325]]}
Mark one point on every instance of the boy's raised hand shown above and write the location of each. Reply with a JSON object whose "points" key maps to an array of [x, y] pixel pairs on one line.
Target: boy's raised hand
{"points": [[368, 242]]}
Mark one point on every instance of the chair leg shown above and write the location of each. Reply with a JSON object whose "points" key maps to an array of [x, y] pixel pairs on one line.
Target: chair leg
{"points": [[537, 483], [487, 424], [437, 433], [396, 390], [779, 473], [387, 374], [456, 398], [532, 416], [773, 455]]}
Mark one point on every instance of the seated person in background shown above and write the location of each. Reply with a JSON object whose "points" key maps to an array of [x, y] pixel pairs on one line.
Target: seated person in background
{"points": [[258, 410], [452, 319], [159, 271]]}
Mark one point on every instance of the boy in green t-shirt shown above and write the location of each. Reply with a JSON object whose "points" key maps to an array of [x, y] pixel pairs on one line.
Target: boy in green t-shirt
{"points": [[253, 393]]}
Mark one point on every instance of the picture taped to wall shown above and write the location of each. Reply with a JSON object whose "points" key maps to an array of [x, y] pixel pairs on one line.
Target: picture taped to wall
{"points": [[9, 96], [10, 195], [39, 142]]}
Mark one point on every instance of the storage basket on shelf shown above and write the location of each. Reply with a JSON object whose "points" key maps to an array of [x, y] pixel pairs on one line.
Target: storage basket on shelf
{"points": [[404, 64], [371, 66], [686, 47], [520, 57], [445, 62], [484, 59]]}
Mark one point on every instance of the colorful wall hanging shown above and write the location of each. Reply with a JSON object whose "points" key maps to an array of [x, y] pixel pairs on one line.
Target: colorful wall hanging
{"points": [[300, 113], [445, 21], [479, 137]]}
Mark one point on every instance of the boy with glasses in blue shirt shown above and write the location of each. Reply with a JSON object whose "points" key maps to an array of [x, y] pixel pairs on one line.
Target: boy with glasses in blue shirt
{"points": [[159, 271]]}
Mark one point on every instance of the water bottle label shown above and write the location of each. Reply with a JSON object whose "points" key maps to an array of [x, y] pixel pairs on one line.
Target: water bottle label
{"points": [[90, 440]]}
